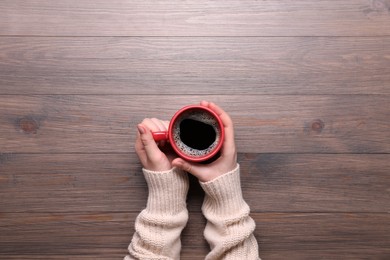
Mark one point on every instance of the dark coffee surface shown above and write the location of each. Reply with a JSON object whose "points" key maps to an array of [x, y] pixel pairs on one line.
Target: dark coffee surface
{"points": [[196, 134]]}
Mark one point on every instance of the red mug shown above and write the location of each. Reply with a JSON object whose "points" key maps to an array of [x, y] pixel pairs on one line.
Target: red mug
{"points": [[196, 133]]}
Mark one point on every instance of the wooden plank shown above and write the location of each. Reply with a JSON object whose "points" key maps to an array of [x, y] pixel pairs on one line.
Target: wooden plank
{"points": [[277, 124], [281, 235], [195, 18], [270, 183], [316, 183], [182, 65], [328, 236]]}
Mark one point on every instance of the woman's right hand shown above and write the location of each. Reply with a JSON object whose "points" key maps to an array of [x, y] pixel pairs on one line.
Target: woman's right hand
{"points": [[228, 158], [149, 153]]}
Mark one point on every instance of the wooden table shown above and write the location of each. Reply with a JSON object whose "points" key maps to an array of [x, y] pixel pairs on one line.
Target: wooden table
{"points": [[307, 84]]}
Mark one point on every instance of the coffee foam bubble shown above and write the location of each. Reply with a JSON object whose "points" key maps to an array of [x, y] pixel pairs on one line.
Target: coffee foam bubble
{"points": [[201, 116]]}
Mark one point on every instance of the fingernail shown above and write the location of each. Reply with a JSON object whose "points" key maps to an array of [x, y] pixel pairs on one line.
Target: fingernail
{"points": [[141, 129]]}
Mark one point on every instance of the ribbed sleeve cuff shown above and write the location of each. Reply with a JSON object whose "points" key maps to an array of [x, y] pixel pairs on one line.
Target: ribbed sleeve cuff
{"points": [[167, 191], [223, 194]]}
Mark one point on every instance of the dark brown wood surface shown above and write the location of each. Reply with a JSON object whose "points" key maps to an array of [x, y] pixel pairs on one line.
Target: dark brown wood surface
{"points": [[195, 18], [195, 65], [307, 84], [271, 183], [287, 123]]}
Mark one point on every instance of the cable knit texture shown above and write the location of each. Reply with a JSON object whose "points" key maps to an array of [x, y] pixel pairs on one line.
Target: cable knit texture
{"points": [[158, 227], [229, 229]]}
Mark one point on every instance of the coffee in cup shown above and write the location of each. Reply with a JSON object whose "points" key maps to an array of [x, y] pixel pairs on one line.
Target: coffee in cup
{"points": [[195, 133]]}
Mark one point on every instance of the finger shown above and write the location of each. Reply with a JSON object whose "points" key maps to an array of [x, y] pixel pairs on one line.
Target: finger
{"points": [[198, 170], [166, 124], [149, 145], [191, 168], [155, 126], [139, 147], [162, 128], [166, 127], [204, 103], [151, 124], [225, 118], [158, 123], [228, 143]]}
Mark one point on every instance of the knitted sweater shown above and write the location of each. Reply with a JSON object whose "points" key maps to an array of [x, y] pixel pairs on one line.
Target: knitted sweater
{"points": [[229, 229]]}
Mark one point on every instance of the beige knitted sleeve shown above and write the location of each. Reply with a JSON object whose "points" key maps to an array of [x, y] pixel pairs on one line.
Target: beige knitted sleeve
{"points": [[229, 229], [159, 225]]}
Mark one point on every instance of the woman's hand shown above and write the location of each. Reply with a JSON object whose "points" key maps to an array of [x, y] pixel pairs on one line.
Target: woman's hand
{"points": [[153, 156], [228, 158]]}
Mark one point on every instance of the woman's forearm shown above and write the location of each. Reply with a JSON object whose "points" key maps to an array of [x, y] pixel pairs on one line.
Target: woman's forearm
{"points": [[159, 225], [229, 229]]}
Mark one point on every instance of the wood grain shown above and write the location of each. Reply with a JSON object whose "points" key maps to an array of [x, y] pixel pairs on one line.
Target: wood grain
{"points": [[195, 18], [280, 124], [306, 83], [182, 65], [270, 182], [356, 236]]}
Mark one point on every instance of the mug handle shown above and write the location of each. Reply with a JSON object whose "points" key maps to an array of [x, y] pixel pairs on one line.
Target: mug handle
{"points": [[160, 136]]}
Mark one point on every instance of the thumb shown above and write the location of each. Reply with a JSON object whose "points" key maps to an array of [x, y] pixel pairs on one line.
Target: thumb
{"points": [[191, 168], [147, 140]]}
